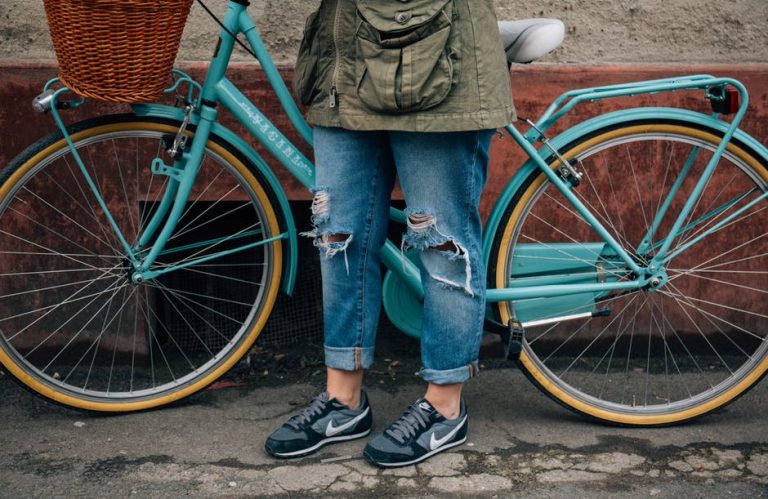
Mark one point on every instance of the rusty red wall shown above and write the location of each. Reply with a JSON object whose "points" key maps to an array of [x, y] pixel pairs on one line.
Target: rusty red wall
{"points": [[534, 87]]}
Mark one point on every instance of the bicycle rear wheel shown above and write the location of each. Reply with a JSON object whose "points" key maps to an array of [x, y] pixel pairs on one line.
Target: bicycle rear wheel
{"points": [[654, 357], [73, 328]]}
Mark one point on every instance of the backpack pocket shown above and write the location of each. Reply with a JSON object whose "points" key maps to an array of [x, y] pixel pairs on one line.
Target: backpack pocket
{"points": [[407, 58]]}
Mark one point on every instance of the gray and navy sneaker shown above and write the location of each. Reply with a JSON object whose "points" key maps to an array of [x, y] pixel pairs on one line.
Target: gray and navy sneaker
{"points": [[322, 422], [420, 432]]}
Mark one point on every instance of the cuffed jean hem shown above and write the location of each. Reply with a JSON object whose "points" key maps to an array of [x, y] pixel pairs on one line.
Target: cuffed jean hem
{"points": [[450, 376], [349, 359]]}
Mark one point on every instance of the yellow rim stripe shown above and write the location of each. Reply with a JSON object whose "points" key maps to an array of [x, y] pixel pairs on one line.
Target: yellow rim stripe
{"points": [[116, 406], [530, 366]]}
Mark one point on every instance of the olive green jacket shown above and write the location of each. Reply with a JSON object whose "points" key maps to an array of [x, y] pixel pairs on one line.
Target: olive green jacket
{"points": [[412, 65]]}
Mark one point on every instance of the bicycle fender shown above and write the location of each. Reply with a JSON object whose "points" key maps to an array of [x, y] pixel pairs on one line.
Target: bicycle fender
{"points": [[285, 216], [591, 125]]}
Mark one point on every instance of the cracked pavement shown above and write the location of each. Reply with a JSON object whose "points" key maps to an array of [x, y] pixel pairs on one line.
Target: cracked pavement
{"points": [[520, 444]]}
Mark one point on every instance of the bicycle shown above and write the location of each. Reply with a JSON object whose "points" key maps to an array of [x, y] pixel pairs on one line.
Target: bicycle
{"points": [[635, 241]]}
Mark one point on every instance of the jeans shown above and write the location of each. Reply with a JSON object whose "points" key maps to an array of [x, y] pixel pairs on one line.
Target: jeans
{"points": [[441, 176]]}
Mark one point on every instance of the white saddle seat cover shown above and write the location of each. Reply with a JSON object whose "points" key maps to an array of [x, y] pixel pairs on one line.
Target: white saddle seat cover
{"points": [[529, 39]]}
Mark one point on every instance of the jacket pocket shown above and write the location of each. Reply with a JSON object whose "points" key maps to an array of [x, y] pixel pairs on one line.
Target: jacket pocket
{"points": [[407, 59], [305, 72]]}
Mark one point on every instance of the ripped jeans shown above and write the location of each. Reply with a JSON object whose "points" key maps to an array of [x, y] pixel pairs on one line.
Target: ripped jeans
{"points": [[442, 176]]}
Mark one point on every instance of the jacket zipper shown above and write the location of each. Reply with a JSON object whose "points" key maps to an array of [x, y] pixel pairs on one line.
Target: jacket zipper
{"points": [[336, 46]]}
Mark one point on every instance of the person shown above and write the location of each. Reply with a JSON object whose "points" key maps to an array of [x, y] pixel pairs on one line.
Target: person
{"points": [[414, 88]]}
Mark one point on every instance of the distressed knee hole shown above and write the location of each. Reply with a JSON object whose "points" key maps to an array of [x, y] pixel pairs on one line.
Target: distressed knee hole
{"points": [[333, 243], [421, 222], [422, 231], [321, 206], [321, 211], [329, 242], [450, 247], [423, 234], [453, 251], [335, 238]]}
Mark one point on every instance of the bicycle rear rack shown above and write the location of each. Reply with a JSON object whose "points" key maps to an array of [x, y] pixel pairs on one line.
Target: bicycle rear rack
{"points": [[726, 95]]}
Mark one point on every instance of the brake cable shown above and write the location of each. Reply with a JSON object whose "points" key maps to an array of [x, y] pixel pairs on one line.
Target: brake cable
{"points": [[213, 16]]}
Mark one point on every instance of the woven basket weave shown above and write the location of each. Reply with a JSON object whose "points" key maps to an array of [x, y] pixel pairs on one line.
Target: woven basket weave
{"points": [[116, 50]]}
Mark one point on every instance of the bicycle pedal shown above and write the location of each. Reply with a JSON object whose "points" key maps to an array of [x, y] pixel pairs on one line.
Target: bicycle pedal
{"points": [[513, 340]]}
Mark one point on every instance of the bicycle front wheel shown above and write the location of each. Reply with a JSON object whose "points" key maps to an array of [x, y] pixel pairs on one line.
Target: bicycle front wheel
{"points": [[644, 356], [73, 327]]}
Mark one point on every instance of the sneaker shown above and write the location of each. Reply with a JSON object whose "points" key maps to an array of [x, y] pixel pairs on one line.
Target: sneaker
{"points": [[322, 422], [420, 432]]}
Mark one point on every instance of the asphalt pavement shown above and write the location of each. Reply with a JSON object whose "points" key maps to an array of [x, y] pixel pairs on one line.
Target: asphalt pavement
{"points": [[521, 444]]}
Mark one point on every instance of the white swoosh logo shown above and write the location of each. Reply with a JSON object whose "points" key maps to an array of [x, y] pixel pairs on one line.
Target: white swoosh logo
{"points": [[434, 443], [334, 430]]}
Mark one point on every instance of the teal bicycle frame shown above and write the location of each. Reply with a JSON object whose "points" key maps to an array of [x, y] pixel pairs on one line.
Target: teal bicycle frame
{"points": [[218, 89]]}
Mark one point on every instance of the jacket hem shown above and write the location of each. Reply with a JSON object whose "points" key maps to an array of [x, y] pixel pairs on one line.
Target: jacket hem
{"points": [[427, 122]]}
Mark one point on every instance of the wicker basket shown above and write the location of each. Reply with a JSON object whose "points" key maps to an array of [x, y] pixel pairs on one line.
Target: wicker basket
{"points": [[116, 50]]}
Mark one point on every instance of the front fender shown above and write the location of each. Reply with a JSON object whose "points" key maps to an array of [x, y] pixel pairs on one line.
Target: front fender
{"points": [[592, 125], [284, 214]]}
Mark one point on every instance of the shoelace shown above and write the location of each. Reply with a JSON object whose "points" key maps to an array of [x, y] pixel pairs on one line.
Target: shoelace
{"points": [[314, 408], [411, 420]]}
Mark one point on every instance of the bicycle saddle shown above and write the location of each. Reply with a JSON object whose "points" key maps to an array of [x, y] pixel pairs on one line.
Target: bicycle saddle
{"points": [[529, 39]]}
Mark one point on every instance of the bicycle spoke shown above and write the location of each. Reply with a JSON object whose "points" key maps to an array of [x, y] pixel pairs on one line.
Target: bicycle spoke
{"points": [[723, 333], [617, 205], [51, 252], [208, 297], [637, 190], [185, 231], [619, 234], [50, 231], [49, 288], [598, 336], [195, 201], [128, 206], [682, 299], [191, 328], [209, 248], [52, 308], [70, 219], [217, 276], [727, 283], [106, 232], [117, 337], [153, 336], [108, 290], [600, 217]]}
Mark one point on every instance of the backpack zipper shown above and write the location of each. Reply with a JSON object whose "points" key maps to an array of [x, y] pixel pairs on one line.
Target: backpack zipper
{"points": [[336, 45]]}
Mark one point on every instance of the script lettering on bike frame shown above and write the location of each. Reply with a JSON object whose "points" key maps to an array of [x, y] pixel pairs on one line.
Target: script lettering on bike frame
{"points": [[271, 133]]}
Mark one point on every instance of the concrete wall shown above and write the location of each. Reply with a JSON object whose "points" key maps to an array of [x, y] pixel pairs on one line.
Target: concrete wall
{"points": [[599, 31]]}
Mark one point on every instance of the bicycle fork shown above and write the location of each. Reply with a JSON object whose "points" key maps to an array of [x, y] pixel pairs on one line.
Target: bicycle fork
{"points": [[181, 177]]}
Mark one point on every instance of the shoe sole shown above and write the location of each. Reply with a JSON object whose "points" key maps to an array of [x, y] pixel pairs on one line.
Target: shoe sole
{"points": [[414, 461], [321, 443]]}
